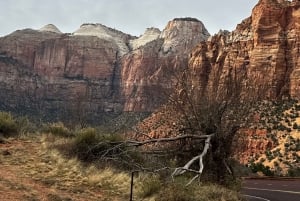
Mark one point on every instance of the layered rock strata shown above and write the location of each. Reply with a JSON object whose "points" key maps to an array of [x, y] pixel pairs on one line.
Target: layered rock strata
{"points": [[262, 54], [93, 71], [150, 72]]}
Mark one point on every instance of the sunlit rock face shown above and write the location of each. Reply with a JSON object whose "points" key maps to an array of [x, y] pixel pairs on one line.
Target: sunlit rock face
{"points": [[98, 69], [150, 34], [150, 71], [103, 32], [56, 75], [182, 34], [50, 28], [92, 71], [262, 54]]}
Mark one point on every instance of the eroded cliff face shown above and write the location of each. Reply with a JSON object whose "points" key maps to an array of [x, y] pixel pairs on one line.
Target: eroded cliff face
{"points": [[93, 71], [150, 72], [262, 54], [261, 58], [59, 76], [98, 69]]}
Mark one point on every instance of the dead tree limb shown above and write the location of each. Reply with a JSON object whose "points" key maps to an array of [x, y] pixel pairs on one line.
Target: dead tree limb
{"points": [[171, 139], [186, 167]]}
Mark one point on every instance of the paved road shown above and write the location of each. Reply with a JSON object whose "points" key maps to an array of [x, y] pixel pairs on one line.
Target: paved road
{"points": [[271, 190]]}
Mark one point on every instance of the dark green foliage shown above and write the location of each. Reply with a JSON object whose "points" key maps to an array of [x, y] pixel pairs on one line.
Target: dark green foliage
{"points": [[150, 186], [294, 172], [8, 124], [90, 145], [295, 126], [297, 143], [286, 145], [87, 144], [259, 167], [281, 127], [269, 155], [177, 192]]}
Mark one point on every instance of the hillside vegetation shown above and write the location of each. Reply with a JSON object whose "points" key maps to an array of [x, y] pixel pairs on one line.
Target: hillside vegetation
{"points": [[54, 162], [36, 164]]}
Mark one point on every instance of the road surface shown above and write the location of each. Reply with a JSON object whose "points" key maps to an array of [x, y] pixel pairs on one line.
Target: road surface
{"points": [[271, 189]]}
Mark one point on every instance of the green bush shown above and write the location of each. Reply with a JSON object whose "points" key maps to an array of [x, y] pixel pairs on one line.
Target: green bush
{"points": [[259, 167], [25, 126], [8, 125], [269, 155], [149, 186], [58, 129], [84, 144], [295, 126], [89, 145], [294, 172], [177, 192]]}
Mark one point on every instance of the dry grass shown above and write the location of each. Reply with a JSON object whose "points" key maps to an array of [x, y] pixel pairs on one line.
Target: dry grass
{"points": [[34, 170], [41, 173]]}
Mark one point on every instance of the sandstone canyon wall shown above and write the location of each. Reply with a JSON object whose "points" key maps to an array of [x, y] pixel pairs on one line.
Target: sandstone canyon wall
{"points": [[149, 72], [93, 71], [262, 54], [98, 70]]}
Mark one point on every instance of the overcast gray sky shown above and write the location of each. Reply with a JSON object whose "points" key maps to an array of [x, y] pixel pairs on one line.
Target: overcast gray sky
{"points": [[129, 16]]}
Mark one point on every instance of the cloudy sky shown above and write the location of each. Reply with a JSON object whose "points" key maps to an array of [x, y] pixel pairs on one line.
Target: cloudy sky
{"points": [[129, 16]]}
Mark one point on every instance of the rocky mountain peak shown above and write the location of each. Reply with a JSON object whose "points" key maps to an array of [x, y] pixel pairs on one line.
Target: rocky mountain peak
{"points": [[50, 28], [183, 33], [149, 35], [101, 31]]}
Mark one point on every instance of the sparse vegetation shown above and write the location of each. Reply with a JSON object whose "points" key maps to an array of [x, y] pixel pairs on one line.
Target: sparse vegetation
{"points": [[259, 167], [58, 129], [150, 185], [103, 156], [8, 124], [206, 192]]}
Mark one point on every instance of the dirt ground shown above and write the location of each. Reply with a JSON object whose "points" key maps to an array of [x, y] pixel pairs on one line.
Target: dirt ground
{"points": [[29, 172]]}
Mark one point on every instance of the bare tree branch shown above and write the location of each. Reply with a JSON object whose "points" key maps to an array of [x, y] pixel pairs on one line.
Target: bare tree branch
{"points": [[186, 167], [159, 140]]}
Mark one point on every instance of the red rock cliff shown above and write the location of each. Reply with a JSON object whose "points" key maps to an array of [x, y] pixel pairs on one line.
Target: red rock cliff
{"points": [[149, 72], [92, 71], [262, 53]]}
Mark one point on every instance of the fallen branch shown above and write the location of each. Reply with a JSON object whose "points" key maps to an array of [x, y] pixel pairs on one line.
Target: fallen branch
{"points": [[159, 140], [186, 167]]}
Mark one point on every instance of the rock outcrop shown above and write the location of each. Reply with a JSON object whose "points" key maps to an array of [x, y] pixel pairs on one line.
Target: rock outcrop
{"points": [[93, 71], [106, 33], [262, 54], [50, 28], [98, 69], [150, 34], [58, 75], [150, 72]]}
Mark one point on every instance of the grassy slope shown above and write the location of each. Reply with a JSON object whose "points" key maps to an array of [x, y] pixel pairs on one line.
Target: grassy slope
{"points": [[30, 171]]}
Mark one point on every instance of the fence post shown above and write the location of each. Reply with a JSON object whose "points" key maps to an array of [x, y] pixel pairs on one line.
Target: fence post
{"points": [[131, 187]]}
